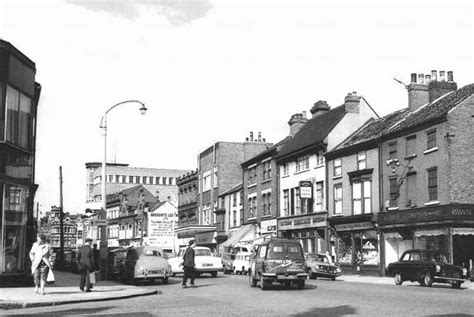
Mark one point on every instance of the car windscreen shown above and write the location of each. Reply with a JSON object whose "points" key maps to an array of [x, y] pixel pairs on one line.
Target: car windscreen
{"points": [[151, 253], [282, 250], [434, 256], [202, 252], [228, 256]]}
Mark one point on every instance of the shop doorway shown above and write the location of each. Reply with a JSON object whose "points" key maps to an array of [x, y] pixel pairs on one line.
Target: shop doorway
{"points": [[463, 249]]}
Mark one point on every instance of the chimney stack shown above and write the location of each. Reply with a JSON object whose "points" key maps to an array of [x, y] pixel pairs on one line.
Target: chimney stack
{"points": [[296, 122], [441, 87], [259, 136], [441, 75], [251, 136], [319, 108], [413, 77], [428, 88], [450, 76], [351, 102], [418, 91]]}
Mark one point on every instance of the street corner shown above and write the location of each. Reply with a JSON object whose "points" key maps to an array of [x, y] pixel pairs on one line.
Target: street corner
{"points": [[21, 298]]}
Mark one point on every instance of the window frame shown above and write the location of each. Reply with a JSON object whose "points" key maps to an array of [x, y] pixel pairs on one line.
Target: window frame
{"points": [[432, 196], [337, 200], [337, 167], [431, 139]]}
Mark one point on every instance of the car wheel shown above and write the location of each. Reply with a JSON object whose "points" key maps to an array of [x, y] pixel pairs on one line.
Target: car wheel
{"points": [[214, 274], [398, 279], [165, 280], [287, 284], [301, 284], [243, 271], [174, 274], [456, 284], [263, 283], [427, 280], [333, 278], [252, 281]]}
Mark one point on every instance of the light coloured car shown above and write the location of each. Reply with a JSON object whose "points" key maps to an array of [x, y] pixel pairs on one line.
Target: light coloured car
{"points": [[203, 258], [242, 263], [144, 263], [320, 265]]}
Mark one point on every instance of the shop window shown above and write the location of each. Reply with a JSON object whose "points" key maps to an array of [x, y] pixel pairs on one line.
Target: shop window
{"points": [[370, 248], [433, 184], [345, 248], [337, 167], [338, 199]]}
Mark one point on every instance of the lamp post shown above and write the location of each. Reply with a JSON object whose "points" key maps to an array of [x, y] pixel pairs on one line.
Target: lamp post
{"points": [[103, 213]]}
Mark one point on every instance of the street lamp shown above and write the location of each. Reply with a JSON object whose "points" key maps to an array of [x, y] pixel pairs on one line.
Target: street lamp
{"points": [[103, 231]]}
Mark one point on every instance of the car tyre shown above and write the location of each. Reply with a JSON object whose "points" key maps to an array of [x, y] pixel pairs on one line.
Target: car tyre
{"points": [[311, 274], [252, 281], [263, 283], [427, 280], [333, 278], [301, 284], [398, 279], [243, 271], [214, 274], [165, 280], [456, 284]]}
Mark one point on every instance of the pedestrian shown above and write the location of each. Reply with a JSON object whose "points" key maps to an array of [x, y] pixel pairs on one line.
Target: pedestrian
{"points": [[86, 265], [95, 258], [188, 264], [40, 266]]}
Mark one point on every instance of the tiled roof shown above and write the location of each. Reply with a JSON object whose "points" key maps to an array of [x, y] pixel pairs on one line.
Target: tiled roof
{"points": [[232, 189], [313, 132], [268, 152], [157, 205], [126, 192], [404, 119]]}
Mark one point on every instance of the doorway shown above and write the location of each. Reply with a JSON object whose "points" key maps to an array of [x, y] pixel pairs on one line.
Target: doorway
{"points": [[463, 249]]}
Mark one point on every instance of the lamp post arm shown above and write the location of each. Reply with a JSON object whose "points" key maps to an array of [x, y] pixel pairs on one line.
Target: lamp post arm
{"points": [[103, 121]]}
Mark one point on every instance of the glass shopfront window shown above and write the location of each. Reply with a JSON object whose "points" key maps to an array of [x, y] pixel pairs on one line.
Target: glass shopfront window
{"points": [[370, 248], [432, 239], [19, 118], [13, 227], [345, 248], [364, 251]]}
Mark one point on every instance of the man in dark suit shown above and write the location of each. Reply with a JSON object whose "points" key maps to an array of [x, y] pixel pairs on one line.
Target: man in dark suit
{"points": [[86, 265], [188, 264]]}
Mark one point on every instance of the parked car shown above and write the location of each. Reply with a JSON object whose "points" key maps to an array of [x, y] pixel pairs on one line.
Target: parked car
{"points": [[426, 267], [278, 260], [204, 260], [70, 261], [115, 260], [227, 260], [320, 265], [242, 263], [144, 263]]}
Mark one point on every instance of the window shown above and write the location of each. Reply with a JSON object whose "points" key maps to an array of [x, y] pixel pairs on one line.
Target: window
{"points": [[150, 180], [286, 202], [411, 145], [130, 179], [19, 118], [286, 169], [433, 184], [234, 219], [267, 170], [252, 175], [297, 201], [111, 178], [338, 167], [338, 198], [234, 199], [361, 203], [206, 179], [393, 192], [319, 158], [319, 196], [215, 176], [170, 180], [410, 188], [144, 180], [361, 160], [266, 202], [430, 139], [252, 206], [117, 178], [137, 179], [302, 163], [392, 150], [157, 180]]}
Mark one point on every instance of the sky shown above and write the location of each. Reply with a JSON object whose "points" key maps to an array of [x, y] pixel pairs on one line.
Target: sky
{"points": [[211, 70]]}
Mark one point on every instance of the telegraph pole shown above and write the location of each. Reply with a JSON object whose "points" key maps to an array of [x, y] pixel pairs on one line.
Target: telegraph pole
{"points": [[61, 216]]}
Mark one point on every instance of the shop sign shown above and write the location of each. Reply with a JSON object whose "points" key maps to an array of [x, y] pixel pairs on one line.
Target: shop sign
{"points": [[354, 226], [302, 222], [435, 213], [161, 227], [463, 231], [268, 226], [306, 189], [204, 237]]}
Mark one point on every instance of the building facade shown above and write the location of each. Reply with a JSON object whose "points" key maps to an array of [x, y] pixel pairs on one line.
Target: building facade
{"points": [[302, 169], [50, 226], [160, 182], [19, 97]]}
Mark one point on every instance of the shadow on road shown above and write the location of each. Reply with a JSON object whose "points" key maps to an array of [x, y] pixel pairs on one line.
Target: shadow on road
{"points": [[329, 311]]}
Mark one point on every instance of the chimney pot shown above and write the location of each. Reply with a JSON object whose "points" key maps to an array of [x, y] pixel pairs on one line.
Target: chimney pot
{"points": [[421, 78], [304, 114], [413, 77], [441, 75], [263, 140], [427, 78], [251, 136], [434, 75], [247, 139], [450, 76], [259, 136]]}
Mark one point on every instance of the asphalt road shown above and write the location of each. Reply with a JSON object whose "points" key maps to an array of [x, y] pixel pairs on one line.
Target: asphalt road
{"points": [[231, 295]]}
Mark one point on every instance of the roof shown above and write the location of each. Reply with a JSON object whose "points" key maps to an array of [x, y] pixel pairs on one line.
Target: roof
{"points": [[157, 205], [126, 192], [268, 152], [313, 132], [403, 120], [232, 189]]}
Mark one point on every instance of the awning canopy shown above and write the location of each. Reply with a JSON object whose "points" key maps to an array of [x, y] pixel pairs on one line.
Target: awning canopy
{"points": [[430, 232], [238, 235], [256, 240]]}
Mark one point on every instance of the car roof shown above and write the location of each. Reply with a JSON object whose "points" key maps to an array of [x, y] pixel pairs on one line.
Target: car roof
{"points": [[278, 240]]}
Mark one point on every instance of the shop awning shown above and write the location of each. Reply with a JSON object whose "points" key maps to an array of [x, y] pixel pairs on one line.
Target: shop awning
{"points": [[238, 235], [256, 240], [463, 231], [430, 232]]}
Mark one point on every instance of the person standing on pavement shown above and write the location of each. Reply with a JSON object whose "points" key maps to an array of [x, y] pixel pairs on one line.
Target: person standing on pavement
{"points": [[86, 265], [188, 264], [40, 266]]}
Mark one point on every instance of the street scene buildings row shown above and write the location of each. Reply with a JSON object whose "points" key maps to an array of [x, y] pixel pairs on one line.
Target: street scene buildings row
{"points": [[362, 187]]}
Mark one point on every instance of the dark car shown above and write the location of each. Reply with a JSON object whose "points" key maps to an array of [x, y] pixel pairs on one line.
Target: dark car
{"points": [[227, 262], [70, 261], [115, 259], [426, 267], [320, 265], [278, 260]]}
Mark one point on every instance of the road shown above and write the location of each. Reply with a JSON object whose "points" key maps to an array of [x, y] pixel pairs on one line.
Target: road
{"points": [[231, 295]]}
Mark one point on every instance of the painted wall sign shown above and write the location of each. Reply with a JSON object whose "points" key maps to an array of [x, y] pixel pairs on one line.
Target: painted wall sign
{"points": [[302, 222], [268, 226], [426, 214], [354, 226], [306, 189]]}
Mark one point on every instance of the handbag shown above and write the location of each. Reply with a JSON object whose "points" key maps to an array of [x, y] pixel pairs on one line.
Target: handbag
{"points": [[92, 277], [50, 277]]}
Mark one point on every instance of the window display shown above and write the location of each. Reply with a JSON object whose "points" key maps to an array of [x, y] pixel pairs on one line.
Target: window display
{"points": [[345, 248], [370, 248]]}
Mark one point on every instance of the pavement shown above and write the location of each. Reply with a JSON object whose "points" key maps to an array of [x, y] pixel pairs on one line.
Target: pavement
{"points": [[66, 290]]}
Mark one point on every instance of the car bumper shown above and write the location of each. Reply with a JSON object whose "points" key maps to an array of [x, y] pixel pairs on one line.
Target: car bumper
{"points": [[151, 276], [208, 269], [284, 277], [327, 274]]}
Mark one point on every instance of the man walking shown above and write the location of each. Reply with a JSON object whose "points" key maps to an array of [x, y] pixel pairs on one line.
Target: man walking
{"points": [[86, 265], [188, 264]]}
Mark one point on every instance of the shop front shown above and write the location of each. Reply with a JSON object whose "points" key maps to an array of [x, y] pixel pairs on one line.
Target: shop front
{"points": [[357, 246], [207, 239], [310, 230], [446, 228]]}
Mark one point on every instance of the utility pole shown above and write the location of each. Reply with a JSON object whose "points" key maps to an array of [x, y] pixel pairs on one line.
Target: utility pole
{"points": [[61, 216]]}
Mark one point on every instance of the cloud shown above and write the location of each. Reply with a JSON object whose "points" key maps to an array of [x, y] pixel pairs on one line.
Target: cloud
{"points": [[178, 12]]}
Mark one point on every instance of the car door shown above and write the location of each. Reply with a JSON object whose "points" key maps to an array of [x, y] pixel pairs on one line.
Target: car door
{"points": [[404, 266]]}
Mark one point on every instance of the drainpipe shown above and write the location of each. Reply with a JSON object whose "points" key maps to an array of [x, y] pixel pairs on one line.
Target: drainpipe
{"points": [[381, 206]]}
